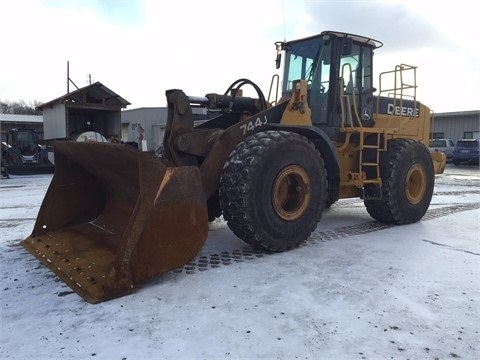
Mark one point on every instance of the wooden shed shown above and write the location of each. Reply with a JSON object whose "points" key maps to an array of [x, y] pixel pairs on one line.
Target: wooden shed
{"points": [[93, 108]]}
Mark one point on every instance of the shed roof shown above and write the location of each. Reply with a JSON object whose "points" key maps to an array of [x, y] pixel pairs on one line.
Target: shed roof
{"points": [[95, 93]]}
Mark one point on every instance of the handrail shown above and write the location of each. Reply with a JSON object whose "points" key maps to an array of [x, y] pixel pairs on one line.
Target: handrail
{"points": [[275, 78], [400, 86], [348, 113]]}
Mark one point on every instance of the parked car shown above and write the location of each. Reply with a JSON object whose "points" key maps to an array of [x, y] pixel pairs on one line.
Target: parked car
{"points": [[466, 150], [443, 145]]}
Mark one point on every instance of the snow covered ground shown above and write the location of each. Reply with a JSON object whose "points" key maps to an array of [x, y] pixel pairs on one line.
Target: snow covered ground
{"points": [[356, 289]]}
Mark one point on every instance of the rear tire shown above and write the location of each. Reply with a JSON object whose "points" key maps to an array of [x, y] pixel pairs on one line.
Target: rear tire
{"points": [[273, 190], [408, 179]]}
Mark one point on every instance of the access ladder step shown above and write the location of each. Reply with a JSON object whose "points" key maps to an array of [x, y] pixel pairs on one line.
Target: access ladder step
{"points": [[372, 181], [371, 146]]}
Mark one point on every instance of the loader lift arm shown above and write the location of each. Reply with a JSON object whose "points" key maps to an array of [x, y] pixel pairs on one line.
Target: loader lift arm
{"points": [[182, 144]]}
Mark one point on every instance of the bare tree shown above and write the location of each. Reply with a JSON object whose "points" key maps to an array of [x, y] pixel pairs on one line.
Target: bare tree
{"points": [[20, 107]]}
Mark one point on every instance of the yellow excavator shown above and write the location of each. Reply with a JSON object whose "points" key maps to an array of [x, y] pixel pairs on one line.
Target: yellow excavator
{"points": [[114, 216]]}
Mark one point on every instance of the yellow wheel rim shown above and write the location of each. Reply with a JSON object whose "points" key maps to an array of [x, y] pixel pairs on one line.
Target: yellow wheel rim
{"points": [[291, 192], [415, 184]]}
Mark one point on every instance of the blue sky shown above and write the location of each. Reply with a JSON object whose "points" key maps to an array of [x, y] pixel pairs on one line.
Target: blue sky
{"points": [[139, 49], [123, 12]]}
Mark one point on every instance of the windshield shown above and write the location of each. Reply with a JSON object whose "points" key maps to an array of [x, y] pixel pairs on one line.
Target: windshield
{"points": [[300, 61], [438, 143], [472, 144], [26, 142]]}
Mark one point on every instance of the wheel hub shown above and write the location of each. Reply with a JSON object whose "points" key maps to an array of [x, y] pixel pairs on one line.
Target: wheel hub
{"points": [[415, 184], [291, 192]]}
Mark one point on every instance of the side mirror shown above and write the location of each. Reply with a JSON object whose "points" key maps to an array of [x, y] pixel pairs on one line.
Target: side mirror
{"points": [[279, 46], [278, 60]]}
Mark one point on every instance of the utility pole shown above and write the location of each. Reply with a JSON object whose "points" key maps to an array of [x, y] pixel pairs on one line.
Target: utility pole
{"points": [[68, 78]]}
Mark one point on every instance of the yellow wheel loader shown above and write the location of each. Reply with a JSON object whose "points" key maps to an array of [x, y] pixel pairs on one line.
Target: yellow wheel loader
{"points": [[114, 216]]}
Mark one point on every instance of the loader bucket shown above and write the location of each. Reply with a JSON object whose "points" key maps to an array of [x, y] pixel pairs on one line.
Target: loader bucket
{"points": [[114, 217]]}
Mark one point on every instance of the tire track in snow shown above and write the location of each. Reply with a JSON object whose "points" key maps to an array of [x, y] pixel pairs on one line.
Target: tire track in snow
{"points": [[206, 261]]}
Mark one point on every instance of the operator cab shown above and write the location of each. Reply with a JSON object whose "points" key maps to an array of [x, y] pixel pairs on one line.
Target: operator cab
{"points": [[25, 140], [338, 70]]}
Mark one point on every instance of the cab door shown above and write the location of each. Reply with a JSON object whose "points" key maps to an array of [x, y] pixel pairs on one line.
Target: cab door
{"points": [[355, 77]]}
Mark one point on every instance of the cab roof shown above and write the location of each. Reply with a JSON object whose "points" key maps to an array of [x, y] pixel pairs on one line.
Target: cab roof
{"points": [[357, 38]]}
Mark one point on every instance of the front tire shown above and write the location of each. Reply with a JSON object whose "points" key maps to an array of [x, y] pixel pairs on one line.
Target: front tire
{"points": [[407, 174], [273, 190]]}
